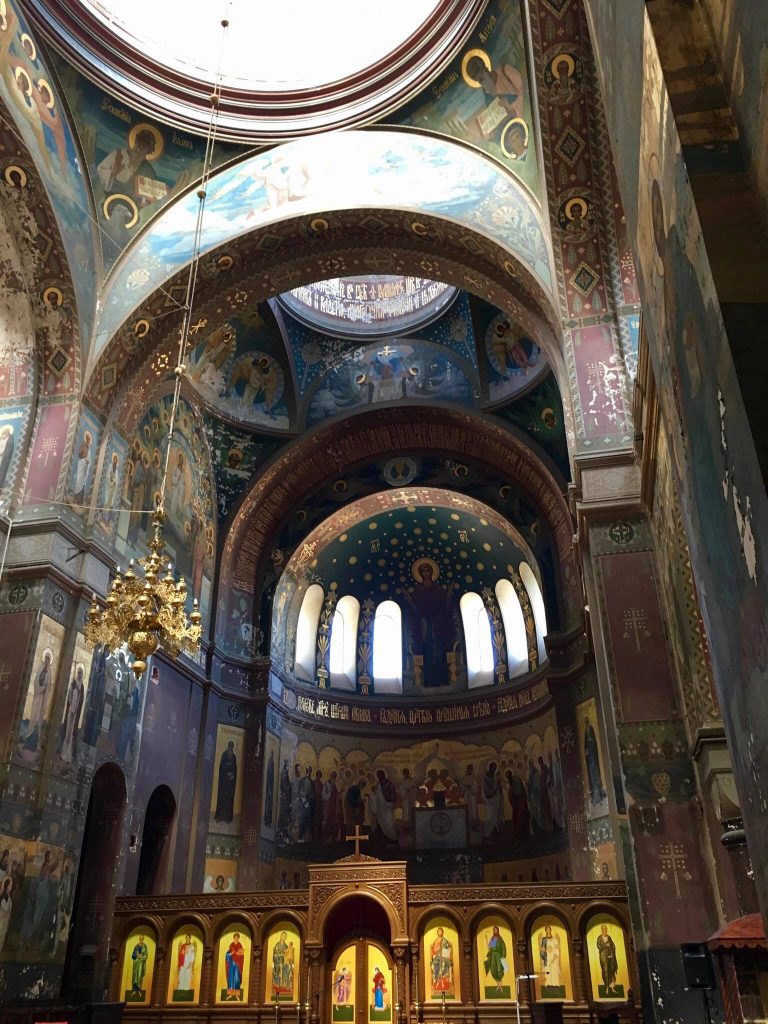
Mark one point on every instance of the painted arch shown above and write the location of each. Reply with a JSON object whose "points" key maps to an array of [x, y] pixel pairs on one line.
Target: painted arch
{"points": [[375, 169]]}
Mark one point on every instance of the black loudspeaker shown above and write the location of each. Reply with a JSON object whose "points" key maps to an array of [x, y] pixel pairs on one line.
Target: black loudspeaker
{"points": [[697, 965]]}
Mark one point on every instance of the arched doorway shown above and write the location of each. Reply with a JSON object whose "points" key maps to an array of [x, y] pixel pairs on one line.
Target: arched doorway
{"points": [[91, 914], [359, 985], [155, 842]]}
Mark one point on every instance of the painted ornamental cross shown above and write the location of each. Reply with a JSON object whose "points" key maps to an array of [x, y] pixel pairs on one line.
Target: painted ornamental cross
{"points": [[357, 838]]}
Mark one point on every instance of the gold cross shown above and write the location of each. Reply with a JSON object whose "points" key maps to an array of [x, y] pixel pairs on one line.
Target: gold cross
{"points": [[357, 838]]}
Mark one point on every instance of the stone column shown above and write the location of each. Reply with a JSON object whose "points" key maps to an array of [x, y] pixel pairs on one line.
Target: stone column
{"points": [[206, 996], [160, 979]]}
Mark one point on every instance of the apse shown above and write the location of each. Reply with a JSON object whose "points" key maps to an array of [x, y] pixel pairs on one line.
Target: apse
{"points": [[411, 591]]}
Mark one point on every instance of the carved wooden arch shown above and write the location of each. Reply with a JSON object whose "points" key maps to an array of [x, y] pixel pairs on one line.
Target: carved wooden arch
{"points": [[325, 898], [267, 923], [232, 919], [320, 455], [420, 920], [150, 921], [176, 922], [616, 910], [564, 914], [304, 249], [507, 914]]}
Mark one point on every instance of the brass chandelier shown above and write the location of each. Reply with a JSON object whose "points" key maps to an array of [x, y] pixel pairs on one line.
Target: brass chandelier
{"points": [[148, 611]]}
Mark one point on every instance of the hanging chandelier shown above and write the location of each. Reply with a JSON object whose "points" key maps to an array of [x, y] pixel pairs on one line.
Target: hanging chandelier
{"points": [[147, 611]]}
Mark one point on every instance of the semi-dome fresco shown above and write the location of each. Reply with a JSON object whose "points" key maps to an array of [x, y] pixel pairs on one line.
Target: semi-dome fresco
{"points": [[410, 592]]}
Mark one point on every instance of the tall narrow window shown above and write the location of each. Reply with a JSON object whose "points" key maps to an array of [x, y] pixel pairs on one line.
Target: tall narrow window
{"points": [[343, 654], [531, 584], [514, 628], [388, 649], [306, 632], [477, 636]]}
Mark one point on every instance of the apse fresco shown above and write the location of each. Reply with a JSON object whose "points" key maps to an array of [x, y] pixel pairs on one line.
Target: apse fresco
{"points": [[483, 96], [113, 707], [70, 738], [315, 353], [136, 165], [397, 370], [83, 467], [383, 168], [436, 802], [27, 86], [540, 414], [235, 369], [111, 489], [37, 886], [42, 684], [227, 790], [13, 421], [189, 530], [513, 362], [424, 557], [236, 456]]}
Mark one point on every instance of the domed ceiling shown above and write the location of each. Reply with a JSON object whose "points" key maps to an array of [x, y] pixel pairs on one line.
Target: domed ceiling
{"points": [[291, 67], [370, 549]]}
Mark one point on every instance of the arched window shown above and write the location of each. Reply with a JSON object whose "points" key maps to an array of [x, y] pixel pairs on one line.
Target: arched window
{"points": [[514, 628], [306, 632], [388, 648], [343, 654], [477, 637], [531, 584]]}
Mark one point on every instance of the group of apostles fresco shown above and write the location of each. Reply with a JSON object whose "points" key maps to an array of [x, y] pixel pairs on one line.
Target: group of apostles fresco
{"points": [[509, 800]]}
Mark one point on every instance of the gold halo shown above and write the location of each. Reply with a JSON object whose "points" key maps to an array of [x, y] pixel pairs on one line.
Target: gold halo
{"points": [[154, 132], [14, 171], [141, 328], [25, 38], [425, 561], [560, 57], [582, 203], [545, 411], [472, 82], [418, 228], [42, 84], [225, 262], [507, 128], [53, 297], [126, 199], [319, 225], [18, 74]]}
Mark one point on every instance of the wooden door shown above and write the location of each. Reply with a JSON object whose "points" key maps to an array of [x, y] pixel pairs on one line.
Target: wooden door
{"points": [[361, 984]]}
